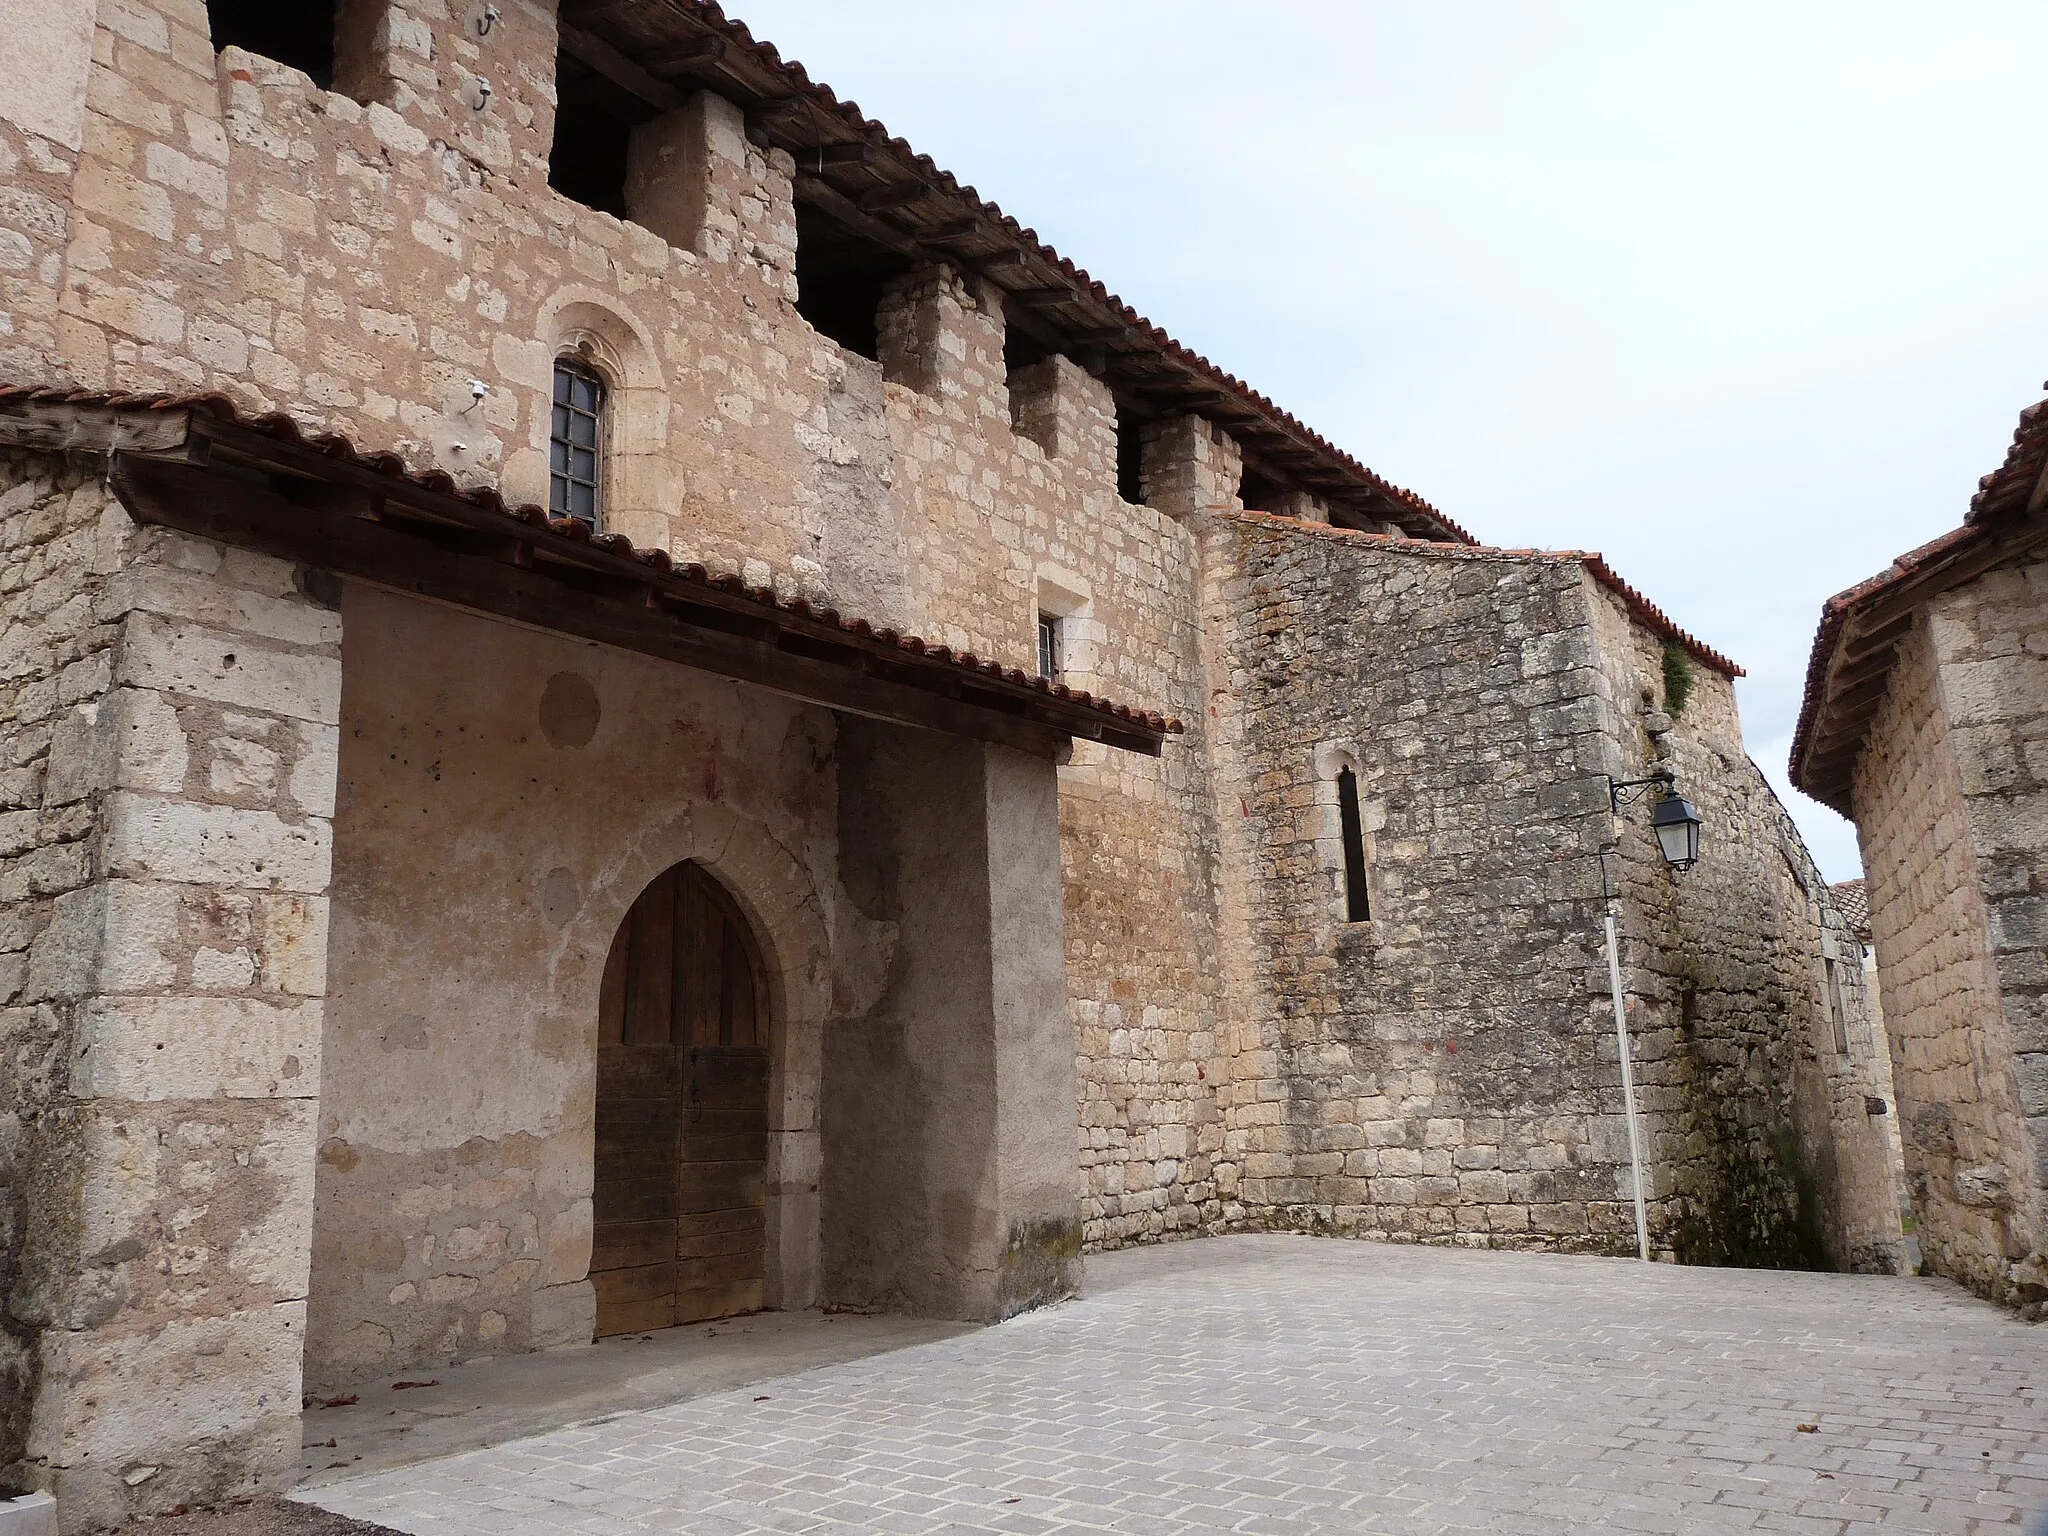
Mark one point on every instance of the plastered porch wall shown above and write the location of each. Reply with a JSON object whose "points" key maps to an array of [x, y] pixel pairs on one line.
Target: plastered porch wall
{"points": [[498, 813], [949, 1141]]}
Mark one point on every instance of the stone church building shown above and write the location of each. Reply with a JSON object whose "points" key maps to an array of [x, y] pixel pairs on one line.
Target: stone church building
{"points": [[623, 704]]}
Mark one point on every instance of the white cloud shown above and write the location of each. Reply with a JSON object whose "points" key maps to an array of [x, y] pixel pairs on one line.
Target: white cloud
{"points": [[1746, 296]]}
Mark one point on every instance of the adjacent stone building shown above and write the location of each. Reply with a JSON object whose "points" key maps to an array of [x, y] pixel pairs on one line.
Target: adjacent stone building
{"points": [[1926, 722], [489, 860]]}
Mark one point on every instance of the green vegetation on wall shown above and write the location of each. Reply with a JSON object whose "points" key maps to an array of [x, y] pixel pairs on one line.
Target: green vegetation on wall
{"points": [[1677, 678]]}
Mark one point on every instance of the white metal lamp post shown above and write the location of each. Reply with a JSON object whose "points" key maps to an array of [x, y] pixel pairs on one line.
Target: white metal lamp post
{"points": [[1676, 821]]}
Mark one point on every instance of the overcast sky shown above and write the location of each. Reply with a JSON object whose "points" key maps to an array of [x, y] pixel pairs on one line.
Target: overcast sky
{"points": [[1745, 296]]}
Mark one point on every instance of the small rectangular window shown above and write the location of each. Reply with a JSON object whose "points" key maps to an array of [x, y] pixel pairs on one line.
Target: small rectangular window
{"points": [[1357, 902], [575, 444], [1048, 646], [1837, 1016]]}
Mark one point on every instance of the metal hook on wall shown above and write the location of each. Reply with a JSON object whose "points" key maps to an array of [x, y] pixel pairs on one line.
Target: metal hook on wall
{"points": [[487, 20]]}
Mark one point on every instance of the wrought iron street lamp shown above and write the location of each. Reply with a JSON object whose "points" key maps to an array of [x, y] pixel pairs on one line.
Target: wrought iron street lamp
{"points": [[1676, 821]]}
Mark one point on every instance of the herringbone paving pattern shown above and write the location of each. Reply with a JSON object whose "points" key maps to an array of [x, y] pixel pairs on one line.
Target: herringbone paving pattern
{"points": [[1281, 1385]]}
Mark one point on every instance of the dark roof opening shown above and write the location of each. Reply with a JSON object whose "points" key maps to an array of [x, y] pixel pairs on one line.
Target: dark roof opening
{"points": [[300, 34], [594, 123], [1258, 493], [840, 276], [1021, 349], [1130, 454]]}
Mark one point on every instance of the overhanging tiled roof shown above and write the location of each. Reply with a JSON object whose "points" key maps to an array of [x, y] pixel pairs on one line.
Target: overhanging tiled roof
{"points": [[1849, 672], [1852, 898], [874, 183], [553, 569]]}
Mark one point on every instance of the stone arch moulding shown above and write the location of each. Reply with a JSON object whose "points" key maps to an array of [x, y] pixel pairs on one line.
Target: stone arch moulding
{"points": [[596, 330], [778, 898], [1330, 758]]}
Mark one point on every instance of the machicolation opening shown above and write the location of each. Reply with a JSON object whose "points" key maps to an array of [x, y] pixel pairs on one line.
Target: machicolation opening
{"points": [[300, 34], [1130, 454], [594, 123], [840, 276], [1258, 493]]}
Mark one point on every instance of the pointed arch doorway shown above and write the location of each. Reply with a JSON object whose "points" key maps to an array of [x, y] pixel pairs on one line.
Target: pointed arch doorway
{"points": [[679, 1189]]}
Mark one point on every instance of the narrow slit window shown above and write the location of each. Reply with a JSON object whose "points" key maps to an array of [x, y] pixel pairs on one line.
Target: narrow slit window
{"points": [[575, 445], [1048, 647], [1837, 1016], [1357, 904]]}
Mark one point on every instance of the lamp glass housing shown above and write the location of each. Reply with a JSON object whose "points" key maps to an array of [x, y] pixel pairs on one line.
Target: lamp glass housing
{"points": [[1676, 821]]}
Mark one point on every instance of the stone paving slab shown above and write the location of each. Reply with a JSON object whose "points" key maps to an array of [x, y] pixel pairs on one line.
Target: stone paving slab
{"points": [[425, 1412], [1275, 1386]]}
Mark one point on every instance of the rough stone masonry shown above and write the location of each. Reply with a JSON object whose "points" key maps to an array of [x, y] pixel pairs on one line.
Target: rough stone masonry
{"points": [[336, 773]]}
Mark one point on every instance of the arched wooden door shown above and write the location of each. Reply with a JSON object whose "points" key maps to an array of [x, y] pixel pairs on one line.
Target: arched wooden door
{"points": [[682, 1112]]}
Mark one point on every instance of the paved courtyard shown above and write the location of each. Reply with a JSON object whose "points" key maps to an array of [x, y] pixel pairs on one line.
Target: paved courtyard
{"points": [[1280, 1385]]}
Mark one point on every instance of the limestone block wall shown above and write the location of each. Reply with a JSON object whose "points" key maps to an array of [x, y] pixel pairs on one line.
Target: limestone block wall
{"points": [[498, 814], [61, 541], [171, 890], [35, 217], [1447, 1070], [1949, 811], [1441, 1072], [1763, 1138]]}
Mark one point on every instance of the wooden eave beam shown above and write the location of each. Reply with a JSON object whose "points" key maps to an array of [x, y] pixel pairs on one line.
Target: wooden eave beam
{"points": [[690, 56], [601, 56], [1863, 641], [820, 193], [896, 195], [461, 554], [55, 427]]}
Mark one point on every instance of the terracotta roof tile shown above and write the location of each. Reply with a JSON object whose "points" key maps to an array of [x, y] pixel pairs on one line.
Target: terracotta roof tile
{"points": [[1852, 898]]}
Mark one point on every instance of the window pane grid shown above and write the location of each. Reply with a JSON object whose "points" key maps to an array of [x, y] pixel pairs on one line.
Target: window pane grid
{"points": [[1048, 647], [573, 439]]}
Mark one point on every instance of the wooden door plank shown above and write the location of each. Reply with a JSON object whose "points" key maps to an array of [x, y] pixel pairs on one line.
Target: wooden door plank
{"points": [[611, 1002], [632, 1244], [723, 1301], [717, 1244], [694, 1224], [653, 989], [714, 1270], [721, 1187]]}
